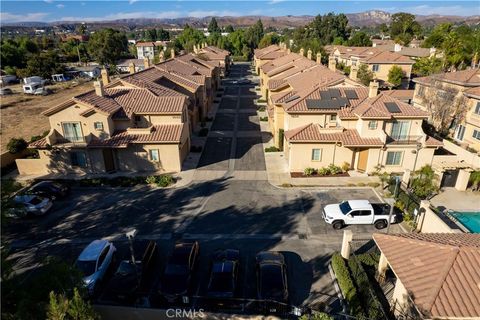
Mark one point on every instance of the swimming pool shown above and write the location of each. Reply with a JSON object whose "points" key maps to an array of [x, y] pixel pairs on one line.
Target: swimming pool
{"points": [[469, 219]]}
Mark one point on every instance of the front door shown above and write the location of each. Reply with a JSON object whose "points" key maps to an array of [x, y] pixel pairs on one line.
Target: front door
{"points": [[362, 160], [108, 160]]}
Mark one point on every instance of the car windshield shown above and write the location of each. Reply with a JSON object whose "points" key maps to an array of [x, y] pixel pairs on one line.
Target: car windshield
{"points": [[272, 280], [35, 201], [222, 282], [345, 207], [87, 267]]}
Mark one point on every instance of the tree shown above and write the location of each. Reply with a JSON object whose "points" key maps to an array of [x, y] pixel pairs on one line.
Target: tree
{"points": [[60, 307], [16, 145], [44, 65], [107, 46], [330, 26], [316, 316], [213, 26], [427, 66], [188, 38], [424, 182], [268, 40], [364, 74], [229, 28], [403, 27], [395, 75], [163, 35], [360, 39]]}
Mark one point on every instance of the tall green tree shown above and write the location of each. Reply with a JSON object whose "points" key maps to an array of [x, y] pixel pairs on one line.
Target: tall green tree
{"points": [[424, 182], [330, 26], [360, 39], [107, 46], [188, 38], [364, 74], [395, 75], [403, 27], [268, 40], [229, 28], [213, 26], [43, 64], [427, 66]]}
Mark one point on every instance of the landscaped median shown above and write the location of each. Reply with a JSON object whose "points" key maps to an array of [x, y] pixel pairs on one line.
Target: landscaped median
{"points": [[161, 181], [355, 284]]}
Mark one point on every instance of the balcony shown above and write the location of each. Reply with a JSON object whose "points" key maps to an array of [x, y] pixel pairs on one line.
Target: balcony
{"points": [[66, 141], [404, 140]]}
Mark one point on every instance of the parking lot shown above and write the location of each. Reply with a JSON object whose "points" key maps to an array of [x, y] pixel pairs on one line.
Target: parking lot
{"points": [[223, 213]]}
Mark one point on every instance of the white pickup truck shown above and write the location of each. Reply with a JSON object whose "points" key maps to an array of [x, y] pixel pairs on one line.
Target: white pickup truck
{"points": [[357, 212]]}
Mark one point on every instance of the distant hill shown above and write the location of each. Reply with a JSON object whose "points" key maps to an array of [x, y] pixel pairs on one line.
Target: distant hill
{"points": [[362, 19]]}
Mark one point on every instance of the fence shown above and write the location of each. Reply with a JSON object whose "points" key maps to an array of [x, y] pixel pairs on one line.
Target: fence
{"points": [[406, 199]]}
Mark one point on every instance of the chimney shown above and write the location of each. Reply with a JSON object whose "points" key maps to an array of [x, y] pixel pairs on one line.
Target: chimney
{"points": [[172, 53], [204, 44], [288, 51], [99, 90], [332, 63], [353, 72], [195, 48], [301, 52], [146, 62], [373, 89], [319, 58], [309, 54], [105, 76], [131, 67], [397, 47], [161, 56]]}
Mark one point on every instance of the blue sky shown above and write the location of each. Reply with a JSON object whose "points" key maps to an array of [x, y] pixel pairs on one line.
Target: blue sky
{"points": [[87, 10]]}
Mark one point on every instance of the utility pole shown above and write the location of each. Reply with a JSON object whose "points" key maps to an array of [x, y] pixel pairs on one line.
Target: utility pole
{"points": [[79, 59], [397, 183]]}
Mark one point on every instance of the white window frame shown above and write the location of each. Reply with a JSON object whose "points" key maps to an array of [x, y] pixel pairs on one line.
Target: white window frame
{"points": [[154, 155], [372, 125], [460, 132], [476, 134], [98, 125], [477, 108], [313, 157], [397, 158], [333, 118], [375, 67]]}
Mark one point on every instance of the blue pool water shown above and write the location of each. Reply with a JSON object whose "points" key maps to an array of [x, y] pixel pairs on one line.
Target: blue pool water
{"points": [[471, 220]]}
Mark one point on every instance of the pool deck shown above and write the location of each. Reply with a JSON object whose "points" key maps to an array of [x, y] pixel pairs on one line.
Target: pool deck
{"points": [[455, 200]]}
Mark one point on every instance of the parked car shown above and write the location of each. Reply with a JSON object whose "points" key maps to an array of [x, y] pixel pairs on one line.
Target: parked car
{"points": [[357, 212], [176, 278], [94, 262], [49, 189], [5, 91], [271, 276], [223, 277], [132, 279], [33, 204]]}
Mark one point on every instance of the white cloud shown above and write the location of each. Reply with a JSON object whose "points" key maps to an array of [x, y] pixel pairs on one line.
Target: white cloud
{"points": [[132, 1], [10, 17], [60, 6], [82, 3], [275, 1], [441, 10], [128, 15], [201, 13], [48, 1]]}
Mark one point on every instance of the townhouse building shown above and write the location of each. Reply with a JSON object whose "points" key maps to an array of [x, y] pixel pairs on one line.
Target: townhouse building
{"points": [[354, 127], [453, 100], [146, 50], [261, 56], [216, 55]]}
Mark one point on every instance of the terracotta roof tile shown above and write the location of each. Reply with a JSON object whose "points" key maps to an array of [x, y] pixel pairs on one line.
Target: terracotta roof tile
{"points": [[39, 144], [318, 74], [430, 141], [376, 108], [166, 133], [258, 53], [473, 92], [281, 61], [467, 78], [440, 271], [400, 94], [387, 57], [145, 44]]}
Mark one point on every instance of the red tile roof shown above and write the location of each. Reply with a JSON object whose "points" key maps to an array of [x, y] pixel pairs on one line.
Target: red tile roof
{"points": [[145, 44], [318, 74], [165, 133], [375, 108], [440, 271], [258, 53], [473, 92], [432, 142], [313, 132], [467, 78], [39, 144], [278, 62], [400, 94]]}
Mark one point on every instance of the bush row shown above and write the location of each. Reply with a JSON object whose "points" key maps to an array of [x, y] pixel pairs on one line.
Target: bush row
{"points": [[347, 285], [325, 171], [161, 181], [271, 149]]}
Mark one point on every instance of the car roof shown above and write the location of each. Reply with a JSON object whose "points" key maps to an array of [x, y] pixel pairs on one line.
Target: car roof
{"points": [[220, 267], [359, 204], [270, 257], [93, 250]]}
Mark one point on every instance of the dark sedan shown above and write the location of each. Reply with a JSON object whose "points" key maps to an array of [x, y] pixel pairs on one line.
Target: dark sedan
{"points": [[271, 276], [224, 274], [176, 278], [49, 189]]}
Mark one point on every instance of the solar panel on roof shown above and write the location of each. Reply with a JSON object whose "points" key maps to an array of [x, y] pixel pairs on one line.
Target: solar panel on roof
{"points": [[392, 107], [295, 97], [334, 93], [325, 95], [325, 104], [351, 94]]}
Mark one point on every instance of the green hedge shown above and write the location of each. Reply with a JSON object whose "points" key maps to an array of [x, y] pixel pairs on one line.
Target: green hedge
{"points": [[347, 285]]}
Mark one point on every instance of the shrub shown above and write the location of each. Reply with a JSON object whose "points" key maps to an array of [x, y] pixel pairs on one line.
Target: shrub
{"points": [[271, 149], [263, 118], [334, 169], [361, 184], [165, 181], [203, 132], [346, 284], [261, 100], [261, 108], [373, 184], [151, 180], [16, 145], [316, 316], [345, 166], [325, 171], [309, 171]]}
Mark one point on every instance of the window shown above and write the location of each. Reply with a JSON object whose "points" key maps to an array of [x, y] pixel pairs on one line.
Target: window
{"points": [[333, 118], [72, 131], [400, 130], [372, 125], [476, 134], [477, 108], [98, 125], [102, 257], [316, 154], [354, 62], [78, 159], [394, 158], [138, 118], [375, 67], [154, 155], [421, 90], [459, 132]]}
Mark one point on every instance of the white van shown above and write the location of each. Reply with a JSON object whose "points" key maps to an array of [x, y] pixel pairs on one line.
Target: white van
{"points": [[35, 88]]}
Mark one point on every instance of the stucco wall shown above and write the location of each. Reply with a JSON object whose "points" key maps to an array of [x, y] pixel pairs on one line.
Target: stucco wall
{"points": [[425, 157], [300, 156]]}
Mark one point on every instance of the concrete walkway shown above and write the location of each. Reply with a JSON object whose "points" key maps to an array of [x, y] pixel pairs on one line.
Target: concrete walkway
{"points": [[455, 200]]}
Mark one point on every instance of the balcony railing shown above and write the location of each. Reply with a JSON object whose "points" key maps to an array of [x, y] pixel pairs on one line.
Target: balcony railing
{"points": [[404, 140], [67, 140]]}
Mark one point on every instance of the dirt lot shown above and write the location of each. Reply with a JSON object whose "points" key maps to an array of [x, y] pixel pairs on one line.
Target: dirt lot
{"points": [[21, 113]]}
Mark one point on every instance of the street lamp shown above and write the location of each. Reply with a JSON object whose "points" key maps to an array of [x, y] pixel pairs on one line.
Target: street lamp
{"points": [[397, 184], [417, 148], [130, 236]]}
